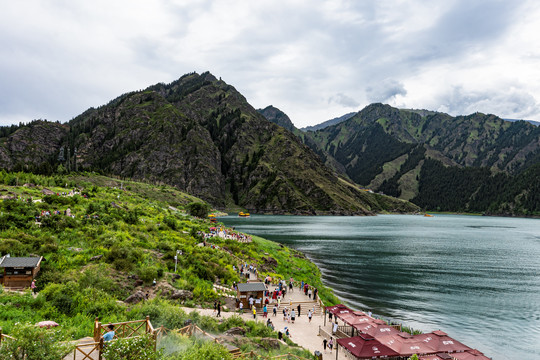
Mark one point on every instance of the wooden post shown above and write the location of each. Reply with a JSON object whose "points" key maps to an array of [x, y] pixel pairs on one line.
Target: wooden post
{"points": [[97, 329], [100, 348]]}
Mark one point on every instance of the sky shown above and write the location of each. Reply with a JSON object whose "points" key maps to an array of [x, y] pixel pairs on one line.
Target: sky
{"points": [[314, 60]]}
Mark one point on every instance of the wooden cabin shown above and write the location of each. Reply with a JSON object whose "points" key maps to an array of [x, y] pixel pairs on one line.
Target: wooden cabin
{"points": [[255, 290], [18, 272]]}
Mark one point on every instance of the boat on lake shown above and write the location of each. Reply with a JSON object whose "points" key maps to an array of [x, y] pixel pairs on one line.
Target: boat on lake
{"points": [[243, 214]]}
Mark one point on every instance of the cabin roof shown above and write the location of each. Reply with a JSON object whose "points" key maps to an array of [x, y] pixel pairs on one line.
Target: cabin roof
{"points": [[9, 262], [254, 286]]}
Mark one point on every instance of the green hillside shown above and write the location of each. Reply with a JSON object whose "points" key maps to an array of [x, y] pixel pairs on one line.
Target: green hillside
{"points": [[120, 236]]}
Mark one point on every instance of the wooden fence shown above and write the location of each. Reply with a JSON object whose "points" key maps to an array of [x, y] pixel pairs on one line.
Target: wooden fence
{"points": [[4, 337], [87, 351], [123, 330]]}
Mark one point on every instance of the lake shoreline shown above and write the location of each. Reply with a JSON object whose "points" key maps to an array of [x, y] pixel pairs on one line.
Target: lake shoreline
{"points": [[448, 272]]}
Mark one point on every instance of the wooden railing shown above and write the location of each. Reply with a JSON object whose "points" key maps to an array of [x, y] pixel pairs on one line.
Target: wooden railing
{"points": [[125, 329], [3, 337], [88, 351]]}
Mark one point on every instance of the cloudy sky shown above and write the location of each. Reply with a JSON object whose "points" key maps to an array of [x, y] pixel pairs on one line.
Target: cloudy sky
{"points": [[315, 60]]}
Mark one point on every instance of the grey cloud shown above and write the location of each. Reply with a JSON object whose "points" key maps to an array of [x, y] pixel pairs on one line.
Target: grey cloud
{"points": [[385, 91], [467, 27], [305, 56], [514, 104], [344, 100]]}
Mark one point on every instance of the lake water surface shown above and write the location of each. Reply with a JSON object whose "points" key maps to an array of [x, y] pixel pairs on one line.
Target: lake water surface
{"points": [[476, 278]]}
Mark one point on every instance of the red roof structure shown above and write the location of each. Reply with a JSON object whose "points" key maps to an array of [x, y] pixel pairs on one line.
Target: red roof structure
{"points": [[376, 328], [436, 357], [440, 342], [339, 310], [366, 347], [356, 318], [470, 355], [406, 344]]}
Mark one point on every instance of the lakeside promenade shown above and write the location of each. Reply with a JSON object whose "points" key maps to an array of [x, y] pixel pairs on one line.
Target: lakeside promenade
{"points": [[302, 332]]}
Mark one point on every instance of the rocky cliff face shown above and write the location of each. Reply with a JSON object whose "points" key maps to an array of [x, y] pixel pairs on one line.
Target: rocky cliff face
{"points": [[278, 117], [144, 137], [32, 146]]}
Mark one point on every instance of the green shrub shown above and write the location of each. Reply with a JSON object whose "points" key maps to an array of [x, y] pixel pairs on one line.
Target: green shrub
{"points": [[198, 209], [204, 350], [13, 247], [63, 303], [230, 322], [259, 329], [135, 348], [171, 222], [147, 273], [34, 343]]}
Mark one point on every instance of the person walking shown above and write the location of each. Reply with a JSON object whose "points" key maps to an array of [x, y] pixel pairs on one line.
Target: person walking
{"points": [[324, 343], [219, 309], [254, 312], [275, 310], [298, 308], [265, 311], [215, 308], [293, 316], [33, 287], [309, 314], [331, 343], [241, 307]]}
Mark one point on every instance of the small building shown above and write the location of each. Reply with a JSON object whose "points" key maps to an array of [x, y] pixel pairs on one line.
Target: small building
{"points": [[18, 272], [253, 289]]}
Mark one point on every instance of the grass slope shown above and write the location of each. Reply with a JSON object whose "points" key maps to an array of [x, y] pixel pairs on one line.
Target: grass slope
{"points": [[121, 236]]}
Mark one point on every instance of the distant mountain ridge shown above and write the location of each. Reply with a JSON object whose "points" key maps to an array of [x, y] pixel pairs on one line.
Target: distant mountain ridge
{"points": [[478, 162], [536, 123], [199, 134], [330, 122]]}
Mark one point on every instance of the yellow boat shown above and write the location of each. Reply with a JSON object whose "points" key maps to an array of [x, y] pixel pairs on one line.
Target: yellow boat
{"points": [[243, 214], [428, 215]]}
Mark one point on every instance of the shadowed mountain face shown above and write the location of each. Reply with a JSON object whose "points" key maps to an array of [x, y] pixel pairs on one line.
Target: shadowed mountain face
{"points": [[200, 135]]}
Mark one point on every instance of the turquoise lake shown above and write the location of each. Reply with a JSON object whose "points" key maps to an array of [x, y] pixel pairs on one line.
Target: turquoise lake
{"points": [[476, 278]]}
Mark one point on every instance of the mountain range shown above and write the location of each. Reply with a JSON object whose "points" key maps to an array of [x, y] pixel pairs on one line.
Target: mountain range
{"points": [[474, 163], [200, 135]]}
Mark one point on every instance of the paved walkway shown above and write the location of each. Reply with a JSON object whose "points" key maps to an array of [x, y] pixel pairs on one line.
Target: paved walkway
{"points": [[303, 332]]}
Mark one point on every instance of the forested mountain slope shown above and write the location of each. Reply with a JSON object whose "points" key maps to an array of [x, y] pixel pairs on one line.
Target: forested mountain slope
{"points": [[478, 162]]}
